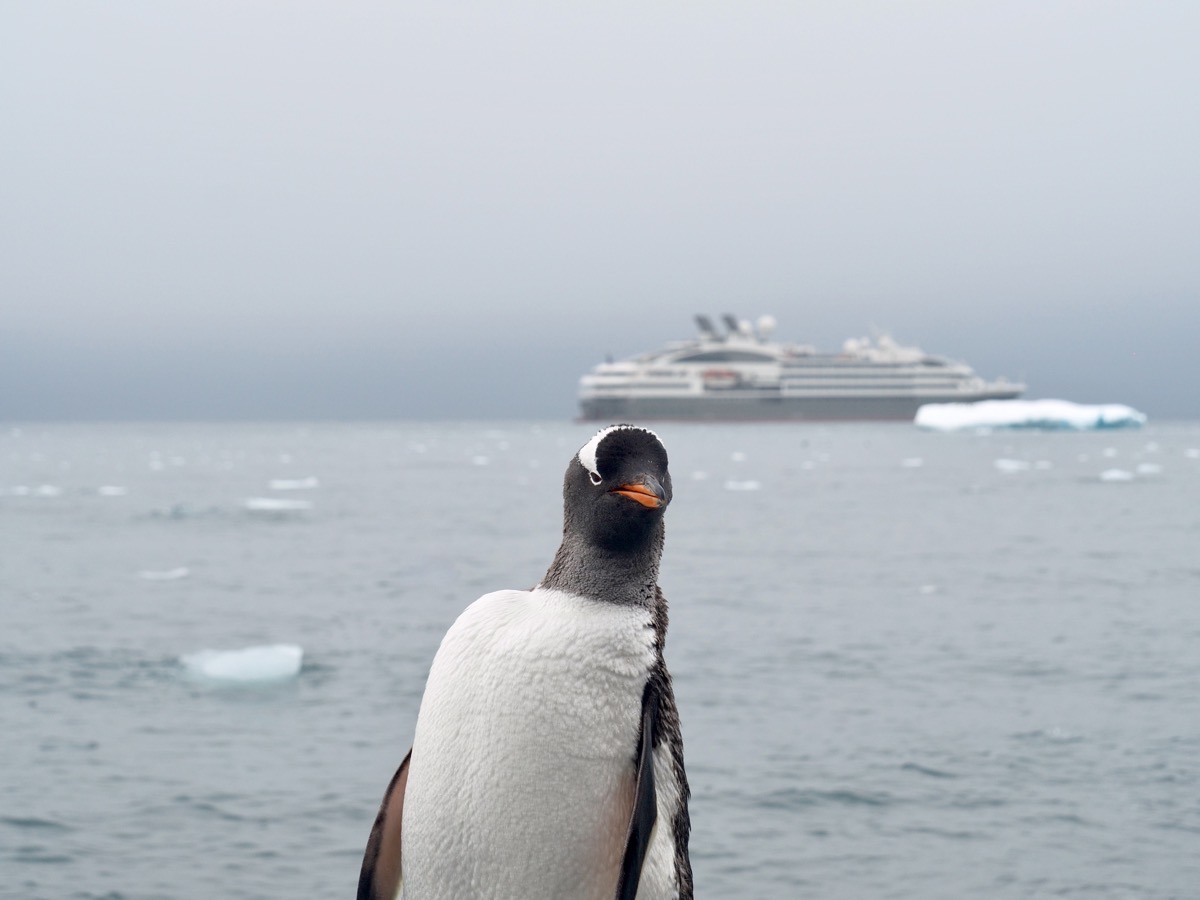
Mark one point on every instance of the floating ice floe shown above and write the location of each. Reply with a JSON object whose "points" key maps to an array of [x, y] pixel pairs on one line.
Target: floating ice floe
{"points": [[743, 485], [276, 505], [164, 574], [273, 662], [111, 490], [47, 490], [1192, 452], [1116, 475], [913, 462], [480, 460], [1149, 469], [293, 484], [1043, 414], [1011, 466]]}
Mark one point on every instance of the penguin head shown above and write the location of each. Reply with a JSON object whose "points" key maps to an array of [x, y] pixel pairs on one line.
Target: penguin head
{"points": [[617, 487]]}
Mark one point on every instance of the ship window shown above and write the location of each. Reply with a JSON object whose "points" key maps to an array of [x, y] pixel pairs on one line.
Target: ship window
{"points": [[725, 356]]}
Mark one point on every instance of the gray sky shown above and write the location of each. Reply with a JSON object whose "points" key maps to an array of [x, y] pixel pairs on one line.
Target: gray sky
{"points": [[360, 209]]}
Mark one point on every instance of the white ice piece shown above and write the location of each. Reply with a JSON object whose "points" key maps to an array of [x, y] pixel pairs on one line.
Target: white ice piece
{"points": [[1011, 466], [743, 485], [111, 490], [276, 505], [293, 484], [1116, 475], [1043, 414], [273, 662], [164, 574]]}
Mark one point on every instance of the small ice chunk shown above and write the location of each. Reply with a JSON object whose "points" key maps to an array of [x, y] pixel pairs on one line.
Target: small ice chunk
{"points": [[21, 490], [164, 574], [808, 465], [1152, 447], [293, 484], [480, 460], [928, 589], [1116, 475], [285, 458], [111, 490], [913, 462], [1043, 414], [1192, 452], [699, 476], [1149, 469], [1009, 466], [1109, 453], [738, 456], [48, 490], [743, 485], [274, 662], [276, 505]]}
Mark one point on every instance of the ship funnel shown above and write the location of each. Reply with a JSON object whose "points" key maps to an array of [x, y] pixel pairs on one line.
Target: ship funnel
{"points": [[704, 323]]}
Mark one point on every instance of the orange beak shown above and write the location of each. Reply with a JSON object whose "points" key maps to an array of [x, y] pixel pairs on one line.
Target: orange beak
{"points": [[643, 494]]}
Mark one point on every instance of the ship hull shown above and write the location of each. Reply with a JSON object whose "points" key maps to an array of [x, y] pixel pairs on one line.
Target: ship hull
{"points": [[733, 408]]}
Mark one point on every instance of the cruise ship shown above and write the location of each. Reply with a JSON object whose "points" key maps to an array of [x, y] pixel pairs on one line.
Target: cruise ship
{"points": [[739, 373]]}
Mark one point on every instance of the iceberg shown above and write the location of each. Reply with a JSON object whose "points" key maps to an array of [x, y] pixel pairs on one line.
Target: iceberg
{"points": [[1043, 414], [273, 662]]}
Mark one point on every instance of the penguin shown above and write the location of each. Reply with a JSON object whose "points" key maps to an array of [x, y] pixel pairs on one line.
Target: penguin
{"points": [[547, 760]]}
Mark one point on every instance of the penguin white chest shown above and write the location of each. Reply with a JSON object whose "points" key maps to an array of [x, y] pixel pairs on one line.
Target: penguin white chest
{"points": [[521, 780]]}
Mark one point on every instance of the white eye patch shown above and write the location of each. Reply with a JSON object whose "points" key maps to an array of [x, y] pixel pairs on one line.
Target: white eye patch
{"points": [[587, 453]]}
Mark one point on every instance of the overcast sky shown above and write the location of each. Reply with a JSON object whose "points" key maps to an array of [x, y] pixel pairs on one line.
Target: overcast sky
{"points": [[366, 209]]}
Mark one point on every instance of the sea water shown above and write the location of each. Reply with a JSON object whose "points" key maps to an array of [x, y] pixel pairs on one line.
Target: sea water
{"points": [[908, 664]]}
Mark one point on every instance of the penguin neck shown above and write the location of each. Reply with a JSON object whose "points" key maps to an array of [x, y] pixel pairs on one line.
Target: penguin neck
{"points": [[626, 576]]}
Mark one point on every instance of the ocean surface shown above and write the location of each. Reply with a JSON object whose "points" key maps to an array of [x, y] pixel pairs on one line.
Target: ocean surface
{"points": [[908, 665]]}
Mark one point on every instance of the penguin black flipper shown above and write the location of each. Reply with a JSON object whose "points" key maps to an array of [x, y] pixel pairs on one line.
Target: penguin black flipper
{"points": [[645, 801], [381, 873]]}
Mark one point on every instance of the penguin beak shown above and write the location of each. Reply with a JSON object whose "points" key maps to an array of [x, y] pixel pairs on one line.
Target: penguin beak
{"points": [[647, 491]]}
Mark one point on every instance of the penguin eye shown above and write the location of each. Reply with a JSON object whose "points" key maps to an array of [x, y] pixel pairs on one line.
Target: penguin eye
{"points": [[595, 476]]}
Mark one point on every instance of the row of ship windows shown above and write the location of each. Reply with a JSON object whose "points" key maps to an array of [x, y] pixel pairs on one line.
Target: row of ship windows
{"points": [[906, 385], [832, 371], [856, 381], [748, 356]]}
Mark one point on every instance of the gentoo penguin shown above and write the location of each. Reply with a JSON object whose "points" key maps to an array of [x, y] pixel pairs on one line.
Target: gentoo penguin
{"points": [[547, 762]]}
